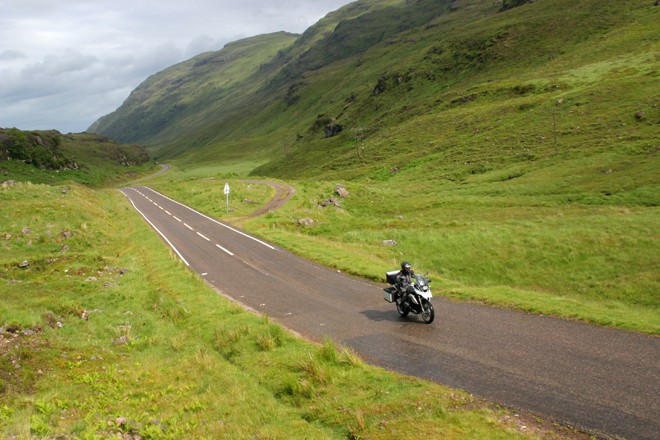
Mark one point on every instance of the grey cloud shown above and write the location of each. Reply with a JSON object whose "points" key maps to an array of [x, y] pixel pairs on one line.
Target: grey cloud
{"points": [[65, 64], [54, 65], [12, 55]]}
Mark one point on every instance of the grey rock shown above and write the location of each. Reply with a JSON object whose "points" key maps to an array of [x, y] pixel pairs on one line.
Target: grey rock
{"points": [[341, 190], [307, 222]]}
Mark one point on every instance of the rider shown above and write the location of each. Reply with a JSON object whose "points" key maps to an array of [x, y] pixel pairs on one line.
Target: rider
{"points": [[404, 279]]}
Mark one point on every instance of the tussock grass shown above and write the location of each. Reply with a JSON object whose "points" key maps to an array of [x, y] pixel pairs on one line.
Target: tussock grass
{"points": [[114, 337]]}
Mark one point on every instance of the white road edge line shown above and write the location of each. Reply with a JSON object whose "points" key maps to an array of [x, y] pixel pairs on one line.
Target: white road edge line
{"points": [[225, 250], [214, 220], [161, 234]]}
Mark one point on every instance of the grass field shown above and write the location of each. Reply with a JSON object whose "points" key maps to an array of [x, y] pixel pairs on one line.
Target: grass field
{"points": [[105, 334]]}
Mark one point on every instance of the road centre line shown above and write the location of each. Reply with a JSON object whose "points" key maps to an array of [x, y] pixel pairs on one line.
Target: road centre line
{"points": [[220, 247], [157, 230], [214, 220], [187, 226], [255, 268], [177, 218], [170, 243]]}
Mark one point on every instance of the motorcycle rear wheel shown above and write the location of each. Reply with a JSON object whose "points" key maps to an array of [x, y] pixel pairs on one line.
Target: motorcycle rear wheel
{"points": [[428, 314]]}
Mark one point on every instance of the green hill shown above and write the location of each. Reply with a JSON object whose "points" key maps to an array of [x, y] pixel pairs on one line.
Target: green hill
{"points": [[51, 157], [379, 70]]}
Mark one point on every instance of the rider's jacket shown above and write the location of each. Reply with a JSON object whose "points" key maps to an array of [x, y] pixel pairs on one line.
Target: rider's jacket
{"points": [[404, 279]]}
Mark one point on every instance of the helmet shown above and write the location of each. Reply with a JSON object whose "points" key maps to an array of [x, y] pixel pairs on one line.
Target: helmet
{"points": [[405, 266]]}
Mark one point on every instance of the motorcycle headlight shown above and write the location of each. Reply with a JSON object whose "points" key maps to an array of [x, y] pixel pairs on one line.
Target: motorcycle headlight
{"points": [[425, 288]]}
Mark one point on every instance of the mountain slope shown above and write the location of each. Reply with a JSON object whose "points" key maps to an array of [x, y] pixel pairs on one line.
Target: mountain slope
{"points": [[479, 81], [180, 100]]}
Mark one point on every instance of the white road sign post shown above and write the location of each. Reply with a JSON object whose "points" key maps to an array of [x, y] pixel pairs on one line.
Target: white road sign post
{"points": [[227, 195]]}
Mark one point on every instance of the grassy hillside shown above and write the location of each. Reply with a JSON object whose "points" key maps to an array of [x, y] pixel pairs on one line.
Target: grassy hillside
{"points": [[51, 157], [105, 334], [481, 90], [375, 68]]}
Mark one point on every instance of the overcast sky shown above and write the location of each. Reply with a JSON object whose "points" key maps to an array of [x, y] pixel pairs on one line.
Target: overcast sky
{"points": [[64, 64]]}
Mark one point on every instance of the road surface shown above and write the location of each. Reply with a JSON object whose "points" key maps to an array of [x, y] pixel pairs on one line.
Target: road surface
{"points": [[600, 380]]}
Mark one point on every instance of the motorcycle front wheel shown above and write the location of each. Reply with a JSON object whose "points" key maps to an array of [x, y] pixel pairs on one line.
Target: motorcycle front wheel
{"points": [[428, 314], [402, 309]]}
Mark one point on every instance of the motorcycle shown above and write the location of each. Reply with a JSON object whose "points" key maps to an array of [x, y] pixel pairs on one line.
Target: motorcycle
{"points": [[419, 297]]}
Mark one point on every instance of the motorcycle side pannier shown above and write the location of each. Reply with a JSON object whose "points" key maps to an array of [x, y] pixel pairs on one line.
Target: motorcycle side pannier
{"points": [[391, 276]]}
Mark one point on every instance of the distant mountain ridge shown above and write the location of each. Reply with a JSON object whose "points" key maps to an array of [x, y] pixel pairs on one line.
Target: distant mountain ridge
{"points": [[369, 71]]}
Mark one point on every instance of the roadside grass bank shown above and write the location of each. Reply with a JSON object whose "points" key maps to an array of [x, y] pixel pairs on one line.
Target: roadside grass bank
{"points": [[106, 334], [530, 243]]}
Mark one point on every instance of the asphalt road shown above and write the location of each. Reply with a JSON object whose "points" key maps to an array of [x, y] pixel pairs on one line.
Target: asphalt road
{"points": [[600, 380]]}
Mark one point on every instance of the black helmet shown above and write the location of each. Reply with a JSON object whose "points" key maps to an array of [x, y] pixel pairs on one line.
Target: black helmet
{"points": [[405, 266]]}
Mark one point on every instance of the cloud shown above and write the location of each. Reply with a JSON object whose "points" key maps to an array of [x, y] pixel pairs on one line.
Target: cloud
{"points": [[65, 64], [12, 55], [68, 63]]}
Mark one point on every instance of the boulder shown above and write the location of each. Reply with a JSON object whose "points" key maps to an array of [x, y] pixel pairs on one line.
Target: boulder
{"points": [[341, 190], [122, 340], [306, 222], [331, 201], [510, 4], [333, 130]]}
